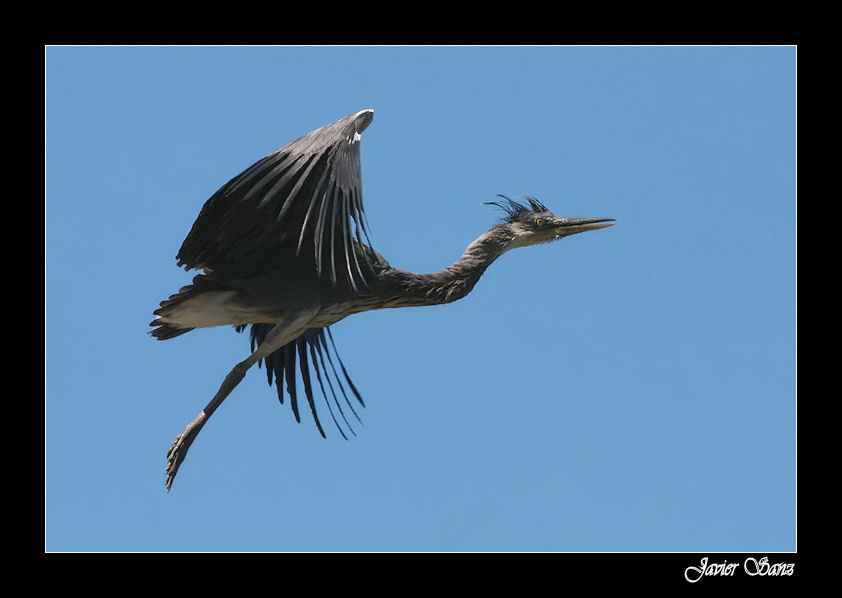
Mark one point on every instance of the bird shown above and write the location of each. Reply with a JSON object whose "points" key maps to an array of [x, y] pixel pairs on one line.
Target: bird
{"points": [[284, 247]]}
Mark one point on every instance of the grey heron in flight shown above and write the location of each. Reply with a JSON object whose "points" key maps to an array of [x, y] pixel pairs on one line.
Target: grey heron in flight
{"points": [[284, 247]]}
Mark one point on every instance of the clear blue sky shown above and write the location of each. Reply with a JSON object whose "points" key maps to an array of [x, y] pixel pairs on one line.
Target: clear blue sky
{"points": [[629, 389]]}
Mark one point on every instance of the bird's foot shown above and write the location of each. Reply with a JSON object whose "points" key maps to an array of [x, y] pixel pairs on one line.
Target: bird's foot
{"points": [[178, 450]]}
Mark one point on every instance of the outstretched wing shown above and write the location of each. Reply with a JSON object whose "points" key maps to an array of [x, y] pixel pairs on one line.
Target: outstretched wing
{"points": [[302, 201], [313, 353]]}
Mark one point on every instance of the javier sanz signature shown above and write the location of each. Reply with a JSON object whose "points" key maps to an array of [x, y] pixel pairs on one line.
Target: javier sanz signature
{"points": [[751, 566]]}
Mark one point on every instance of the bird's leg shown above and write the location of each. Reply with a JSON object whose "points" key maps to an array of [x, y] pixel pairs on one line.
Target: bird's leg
{"points": [[289, 328]]}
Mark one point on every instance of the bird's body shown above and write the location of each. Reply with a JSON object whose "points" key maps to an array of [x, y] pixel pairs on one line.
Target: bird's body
{"points": [[278, 253], [219, 298], [215, 299]]}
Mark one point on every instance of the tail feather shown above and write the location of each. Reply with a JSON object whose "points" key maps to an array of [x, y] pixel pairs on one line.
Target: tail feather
{"points": [[166, 324], [165, 331]]}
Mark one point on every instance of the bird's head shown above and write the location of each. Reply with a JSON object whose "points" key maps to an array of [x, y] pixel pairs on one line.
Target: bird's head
{"points": [[533, 223]]}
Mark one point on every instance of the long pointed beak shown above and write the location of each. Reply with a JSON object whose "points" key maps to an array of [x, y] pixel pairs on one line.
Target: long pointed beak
{"points": [[571, 226]]}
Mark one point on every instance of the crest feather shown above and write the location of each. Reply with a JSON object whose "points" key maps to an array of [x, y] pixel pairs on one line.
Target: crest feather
{"points": [[515, 209]]}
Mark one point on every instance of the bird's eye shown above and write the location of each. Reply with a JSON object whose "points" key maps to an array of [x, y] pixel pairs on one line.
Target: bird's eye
{"points": [[539, 221]]}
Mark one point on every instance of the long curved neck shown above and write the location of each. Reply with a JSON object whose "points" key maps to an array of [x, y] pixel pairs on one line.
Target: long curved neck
{"points": [[458, 279]]}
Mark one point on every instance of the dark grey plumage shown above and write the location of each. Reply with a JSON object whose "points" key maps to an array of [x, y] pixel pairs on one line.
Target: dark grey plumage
{"points": [[307, 192], [515, 210], [284, 248], [315, 355]]}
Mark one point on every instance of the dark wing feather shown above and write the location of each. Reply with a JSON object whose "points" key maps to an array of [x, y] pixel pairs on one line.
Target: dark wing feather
{"points": [[314, 356], [299, 201]]}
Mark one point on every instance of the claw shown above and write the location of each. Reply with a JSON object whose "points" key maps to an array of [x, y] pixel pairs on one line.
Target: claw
{"points": [[178, 450]]}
